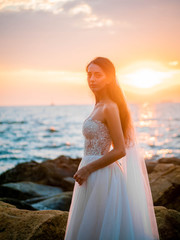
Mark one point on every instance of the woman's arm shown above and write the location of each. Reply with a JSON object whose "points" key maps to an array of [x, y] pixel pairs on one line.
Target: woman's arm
{"points": [[111, 114]]}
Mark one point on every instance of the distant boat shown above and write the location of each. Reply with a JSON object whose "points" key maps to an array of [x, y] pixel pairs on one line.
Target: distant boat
{"points": [[52, 104]]}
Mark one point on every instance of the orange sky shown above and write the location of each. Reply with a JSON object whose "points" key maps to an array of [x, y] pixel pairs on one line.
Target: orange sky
{"points": [[45, 46]]}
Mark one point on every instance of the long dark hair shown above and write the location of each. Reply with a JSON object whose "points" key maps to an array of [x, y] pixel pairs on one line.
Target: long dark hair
{"points": [[117, 95]]}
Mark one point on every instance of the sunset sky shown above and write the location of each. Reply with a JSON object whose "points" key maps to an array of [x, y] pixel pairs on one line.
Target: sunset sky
{"points": [[45, 46]]}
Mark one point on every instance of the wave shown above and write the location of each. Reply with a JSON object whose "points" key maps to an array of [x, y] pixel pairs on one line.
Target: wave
{"points": [[55, 146], [13, 122]]}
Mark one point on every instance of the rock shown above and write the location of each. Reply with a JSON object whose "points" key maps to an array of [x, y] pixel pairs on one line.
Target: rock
{"points": [[173, 160], [18, 224], [150, 166], [164, 178], [24, 190], [59, 202], [168, 221], [50, 172], [19, 204], [9, 192], [165, 185], [35, 200], [51, 224], [68, 183]]}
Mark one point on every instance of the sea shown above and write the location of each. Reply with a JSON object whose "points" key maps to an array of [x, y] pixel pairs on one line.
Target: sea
{"points": [[45, 132]]}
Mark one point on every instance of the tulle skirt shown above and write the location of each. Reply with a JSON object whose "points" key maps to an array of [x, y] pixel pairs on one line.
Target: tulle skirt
{"points": [[100, 206]]}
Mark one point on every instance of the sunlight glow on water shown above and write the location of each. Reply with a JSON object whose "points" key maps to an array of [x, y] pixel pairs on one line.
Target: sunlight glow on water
{"points": [[46, 132], [158, 127]]}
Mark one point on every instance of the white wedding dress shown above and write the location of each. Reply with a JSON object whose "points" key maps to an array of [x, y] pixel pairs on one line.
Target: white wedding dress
{"points": [[100, 207]]}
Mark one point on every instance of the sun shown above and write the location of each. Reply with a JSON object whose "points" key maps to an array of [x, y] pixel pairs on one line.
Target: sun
{"points": [[144, 78]]}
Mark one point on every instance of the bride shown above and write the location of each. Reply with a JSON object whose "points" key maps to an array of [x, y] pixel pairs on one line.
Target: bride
{"points": [[112, 197]]}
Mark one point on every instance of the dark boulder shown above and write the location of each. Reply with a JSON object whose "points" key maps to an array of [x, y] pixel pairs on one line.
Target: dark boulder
{"points": [[19, 204], [25, 190], [168, 221], [61, 202], [165, 185], [51, 172]]}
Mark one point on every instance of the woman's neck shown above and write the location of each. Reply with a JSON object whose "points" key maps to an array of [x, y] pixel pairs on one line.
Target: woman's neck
{"points": [[102, 96]]}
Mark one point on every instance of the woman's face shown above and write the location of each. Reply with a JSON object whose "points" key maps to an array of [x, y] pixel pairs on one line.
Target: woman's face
{"points": [[96, 77]]}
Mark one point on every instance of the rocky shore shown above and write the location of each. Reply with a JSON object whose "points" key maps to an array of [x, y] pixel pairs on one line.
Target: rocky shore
{"points": [[35, 198]]}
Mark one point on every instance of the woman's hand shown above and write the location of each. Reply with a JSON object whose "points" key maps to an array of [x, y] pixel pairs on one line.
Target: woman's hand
{"points": [[81, 175]]}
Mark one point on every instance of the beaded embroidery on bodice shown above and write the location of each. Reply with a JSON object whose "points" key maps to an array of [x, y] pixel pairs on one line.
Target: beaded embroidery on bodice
{"points": [[97, 138]]}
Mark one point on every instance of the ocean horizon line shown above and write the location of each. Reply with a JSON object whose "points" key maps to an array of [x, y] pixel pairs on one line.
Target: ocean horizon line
{"points": [[85, 104]]}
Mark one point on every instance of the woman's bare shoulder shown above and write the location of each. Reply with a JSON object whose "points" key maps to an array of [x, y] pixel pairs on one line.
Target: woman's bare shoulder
{"points": [[110, 106], [110, 109]]}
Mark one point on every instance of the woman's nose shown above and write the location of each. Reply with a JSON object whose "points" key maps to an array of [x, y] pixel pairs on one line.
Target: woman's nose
{"points": [[92, 79]]}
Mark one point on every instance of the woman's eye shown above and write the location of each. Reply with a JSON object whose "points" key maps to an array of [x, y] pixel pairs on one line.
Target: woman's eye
{"points": [[98, 75]]}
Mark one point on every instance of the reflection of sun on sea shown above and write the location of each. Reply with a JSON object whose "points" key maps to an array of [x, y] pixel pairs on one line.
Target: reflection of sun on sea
{"points": [[152, 132]]}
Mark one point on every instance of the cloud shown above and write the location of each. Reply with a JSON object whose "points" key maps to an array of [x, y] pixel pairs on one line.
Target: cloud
{"points": [[94, 21], [54, 6], [82, 8], [65, 34], [90, 20]]}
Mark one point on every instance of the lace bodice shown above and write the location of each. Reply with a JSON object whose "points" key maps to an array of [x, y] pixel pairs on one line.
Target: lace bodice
{"points": [[97, 138]]}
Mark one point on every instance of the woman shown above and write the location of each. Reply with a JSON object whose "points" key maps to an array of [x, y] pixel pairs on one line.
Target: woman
{"points": [[112, 198]]}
